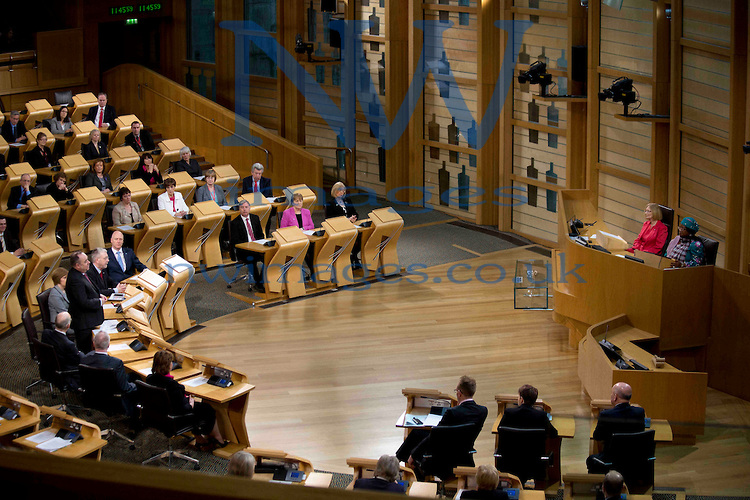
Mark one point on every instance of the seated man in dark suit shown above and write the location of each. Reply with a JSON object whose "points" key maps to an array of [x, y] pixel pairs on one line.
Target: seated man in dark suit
{"points": [[525, 416], [99, 358], [85, 300], [7, 242], [123, 263], [246, 227], [13, 130], [98, 275], [612, 485], [386, 474], [256, 183], [20, 195], [103, 115], [417, 444], [187, 164], [623, 418], [67, 353], [139, 139]]}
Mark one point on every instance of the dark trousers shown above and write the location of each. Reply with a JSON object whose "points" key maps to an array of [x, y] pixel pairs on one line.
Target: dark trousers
{"points": [[596, 467], [415, 437], [84, 340]]}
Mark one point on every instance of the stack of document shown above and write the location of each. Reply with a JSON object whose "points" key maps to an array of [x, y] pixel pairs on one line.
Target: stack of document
{"points": [[48, 441]]}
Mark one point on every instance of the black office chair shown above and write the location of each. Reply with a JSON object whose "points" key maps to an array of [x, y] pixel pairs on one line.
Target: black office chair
{"points": [[43, 300], [667, 218], [710, 249], [64, 97], [155, 408], [633, 456], [50, 372], [450, 446], [101, 392], [521, 452], [31, 333]]}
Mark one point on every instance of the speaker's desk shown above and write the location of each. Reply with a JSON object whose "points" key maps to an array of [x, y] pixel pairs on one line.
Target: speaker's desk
{"points": [[89, 446], [28, 414]]}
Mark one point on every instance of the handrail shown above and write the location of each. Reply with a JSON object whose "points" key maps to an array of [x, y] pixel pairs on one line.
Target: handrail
{"points": [[179, 104], [351, 159]]}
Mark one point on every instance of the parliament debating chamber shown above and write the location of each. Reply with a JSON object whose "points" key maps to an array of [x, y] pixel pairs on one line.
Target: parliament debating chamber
{"points": [[341, 207]]}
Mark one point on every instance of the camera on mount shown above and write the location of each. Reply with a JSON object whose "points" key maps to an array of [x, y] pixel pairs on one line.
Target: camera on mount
{"points": [[537, 73]]}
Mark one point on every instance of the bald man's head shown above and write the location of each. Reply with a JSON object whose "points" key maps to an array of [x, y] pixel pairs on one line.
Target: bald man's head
{"points": [[621, 393], [612, 485]]}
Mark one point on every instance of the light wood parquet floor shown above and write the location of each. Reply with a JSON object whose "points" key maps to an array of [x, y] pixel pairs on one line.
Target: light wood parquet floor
{"points": [[329, 370]]}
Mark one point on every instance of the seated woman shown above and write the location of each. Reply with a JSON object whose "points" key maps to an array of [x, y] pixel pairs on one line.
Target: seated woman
{"points": [[186, 164], [341, 205], [97, 178], [207, 431], [385, 476], [148, 171], [40, 156], [653, 234], [211, 191], [60, 123], [127, 211], [95, 148], [685, 249], [241, 464], [58, 190], [172, 200], [295, 215], [487, 480]]}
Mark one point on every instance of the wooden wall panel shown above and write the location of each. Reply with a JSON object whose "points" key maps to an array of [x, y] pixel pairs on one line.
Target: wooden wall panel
{"points": [[704, 181], [621, 203], [264, 102], [626, 36], [705, 92], [707, 21]]}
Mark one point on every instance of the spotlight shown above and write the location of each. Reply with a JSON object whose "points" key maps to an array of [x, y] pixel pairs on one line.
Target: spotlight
{"points": [[537, 73], [300, 47], [622, 91]]}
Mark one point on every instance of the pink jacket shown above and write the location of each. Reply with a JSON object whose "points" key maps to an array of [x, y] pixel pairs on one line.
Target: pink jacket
{"points": [[289, 218]]}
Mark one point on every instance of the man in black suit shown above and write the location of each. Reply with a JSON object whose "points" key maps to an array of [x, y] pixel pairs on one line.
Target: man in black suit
{"points": [[98, 275], [246, 227], [20, 195], [256, 183], [123, 263], [68, 354], [417, 444], [7, 242], [102, 115], [99, 358], [525, 416], [13, 131], [385, 476], [623, 418], [85, 300], [139, 139]]}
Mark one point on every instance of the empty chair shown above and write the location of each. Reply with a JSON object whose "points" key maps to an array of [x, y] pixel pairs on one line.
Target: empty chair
{"points": [[50, 372], [31, 335]]}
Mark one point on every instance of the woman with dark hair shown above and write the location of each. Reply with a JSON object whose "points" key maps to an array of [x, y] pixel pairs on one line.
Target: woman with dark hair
{"points": [[148, 171], [685, 249], [58, 190], [60, 123], [127, 211], [40, 156], [207, 431], [97, 178]]}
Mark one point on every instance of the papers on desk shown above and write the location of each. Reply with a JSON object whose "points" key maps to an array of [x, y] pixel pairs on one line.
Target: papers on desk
{"points": [[42, 436], [261, 241], [309, 232], [177, 263], [108, 306], [118, 347], [126, 228], [196, 382], [117, 297], [109, 326], [408, 420], [225, 207], [54, 444], [199, 178], [17, 144], [272, 198], [145, 371]]}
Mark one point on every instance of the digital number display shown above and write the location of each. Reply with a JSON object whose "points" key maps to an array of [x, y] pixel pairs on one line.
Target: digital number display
{"points": [[130, 9]]}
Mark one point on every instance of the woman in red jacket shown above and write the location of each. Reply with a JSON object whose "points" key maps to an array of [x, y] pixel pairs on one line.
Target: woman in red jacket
{"points": [[653, 234]]}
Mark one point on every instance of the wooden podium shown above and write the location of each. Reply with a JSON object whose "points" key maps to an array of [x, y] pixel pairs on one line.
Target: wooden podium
{"points": [[75, 167], [308, 195], [170, 152], [145, 312], [85, 225], [201, 234], [173, 313], [46, 258], [14, 173], [11, 270], [140, 193], [259, 205], [379, 252], [38, 110], [124, 161], [83, 103], [284, 271], [42, 222], [155, 243], [332, 259], [81, 131], [185, 185]]}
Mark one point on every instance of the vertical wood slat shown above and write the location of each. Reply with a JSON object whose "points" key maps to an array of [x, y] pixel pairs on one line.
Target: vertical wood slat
{"points": [[660, 131]]}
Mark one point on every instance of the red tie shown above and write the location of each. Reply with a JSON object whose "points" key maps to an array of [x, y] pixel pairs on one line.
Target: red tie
{"points": [[101, 116], [138, 141], [255, 189], [249, 230]]}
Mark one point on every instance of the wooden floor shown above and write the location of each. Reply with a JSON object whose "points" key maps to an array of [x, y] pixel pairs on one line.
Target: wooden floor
{"points": [[329, 371]]}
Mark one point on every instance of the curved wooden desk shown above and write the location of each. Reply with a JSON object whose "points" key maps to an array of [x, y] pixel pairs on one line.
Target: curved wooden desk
{"points": [[89, 447], [11, 270]]}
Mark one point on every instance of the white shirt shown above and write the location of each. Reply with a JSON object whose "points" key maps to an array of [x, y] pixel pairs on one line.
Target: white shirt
{"points": [[172, 207]]}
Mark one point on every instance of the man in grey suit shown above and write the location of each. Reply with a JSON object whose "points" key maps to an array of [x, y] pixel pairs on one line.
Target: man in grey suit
{"points": [[99, 358]]}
